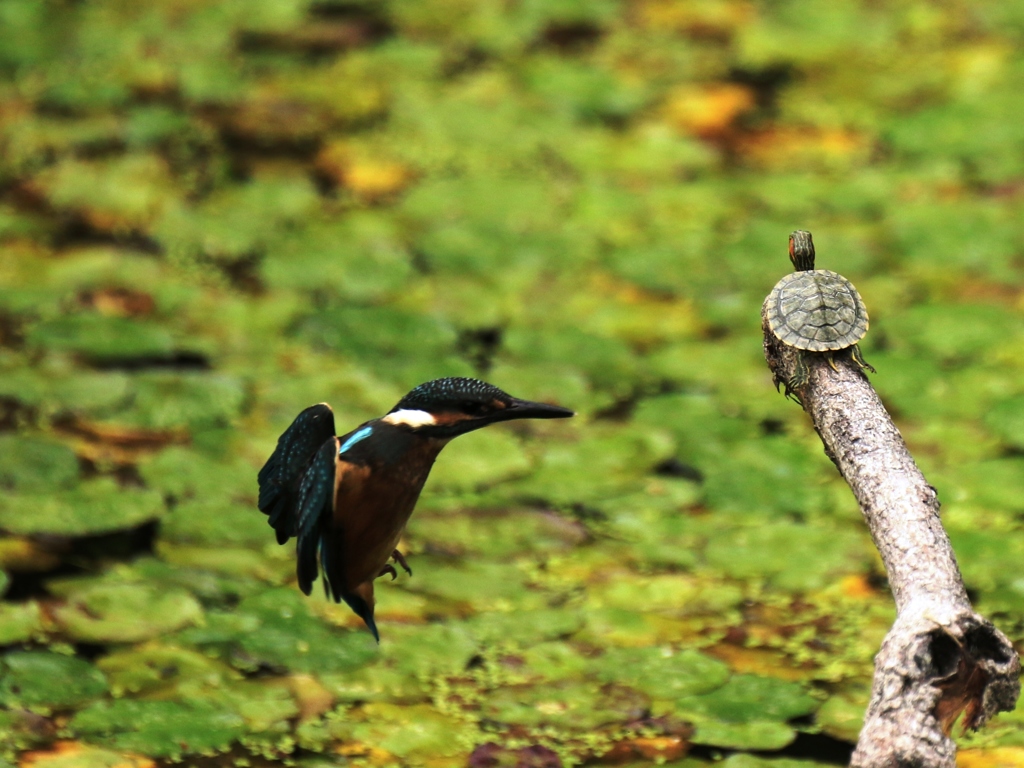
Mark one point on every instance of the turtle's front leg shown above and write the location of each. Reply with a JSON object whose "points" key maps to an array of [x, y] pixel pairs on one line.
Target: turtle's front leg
{"points": [[858, 358], [801, 373]]}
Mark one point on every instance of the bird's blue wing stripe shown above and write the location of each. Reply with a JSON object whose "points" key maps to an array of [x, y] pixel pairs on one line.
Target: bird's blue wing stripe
{"points": [[354, 438]]}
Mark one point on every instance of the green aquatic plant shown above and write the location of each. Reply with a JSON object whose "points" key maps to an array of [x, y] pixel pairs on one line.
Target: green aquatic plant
{"points": [[214, 214]]}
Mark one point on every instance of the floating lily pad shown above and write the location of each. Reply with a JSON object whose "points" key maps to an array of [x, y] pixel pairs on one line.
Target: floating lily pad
{"points": [[216, 522], [288, 637], [19, 622], [660, 532], [150, 667], [664, 593], [371, 333], [525, 627], [415, 733], [595, 467], [126, 613], [748, 698], [790, 556], [180, 472], [266, 706], [777, 476], [955, 331], [753, 734], [566, 704], [158, 728], [237, 220], [224, 561], [97, 506], [87, 393], [557, 660], [497, 535], [220, 630], [663, 672], [120, 194], [101, 337], [608, 363], [482, 458], [627, 627], [997, 483], [485, 586], [39, 679], [842, 714], [1006, 419], [374, 683], [589, 92], [213, 587], [434, 649], [166, 401], [988, 559], [30, 464], [362, 257]]}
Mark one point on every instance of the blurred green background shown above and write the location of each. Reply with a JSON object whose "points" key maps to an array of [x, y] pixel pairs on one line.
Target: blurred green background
{"points": [[214, 213]]}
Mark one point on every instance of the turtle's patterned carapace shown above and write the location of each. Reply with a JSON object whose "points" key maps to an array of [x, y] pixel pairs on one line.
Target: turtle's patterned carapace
{"points": [[817, 310]]}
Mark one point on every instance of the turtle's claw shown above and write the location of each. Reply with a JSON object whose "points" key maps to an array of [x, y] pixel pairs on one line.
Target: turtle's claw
{"points": [[858, 358], [400, 559], [389, 568]]}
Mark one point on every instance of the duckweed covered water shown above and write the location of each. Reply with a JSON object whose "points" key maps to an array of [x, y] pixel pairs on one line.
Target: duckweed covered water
{"points": [[213, 214]]}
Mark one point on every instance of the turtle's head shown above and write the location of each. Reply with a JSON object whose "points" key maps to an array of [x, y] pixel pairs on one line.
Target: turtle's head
{"points": [[801, 250]]}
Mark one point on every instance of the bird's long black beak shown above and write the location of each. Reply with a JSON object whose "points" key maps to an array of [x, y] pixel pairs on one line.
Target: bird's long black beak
{"points": [[514, 409], [525, 409]]}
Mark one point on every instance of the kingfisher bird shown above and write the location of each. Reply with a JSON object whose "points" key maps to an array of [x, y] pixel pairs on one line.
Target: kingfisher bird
{"points": [[347, 499]]}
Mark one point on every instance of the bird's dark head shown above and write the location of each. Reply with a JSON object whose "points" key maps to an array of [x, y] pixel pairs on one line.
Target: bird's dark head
{"points": [[801, 250], [446, 408]]}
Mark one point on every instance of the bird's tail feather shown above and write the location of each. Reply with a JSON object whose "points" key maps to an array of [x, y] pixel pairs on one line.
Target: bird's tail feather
{"points": [[363, 609]]}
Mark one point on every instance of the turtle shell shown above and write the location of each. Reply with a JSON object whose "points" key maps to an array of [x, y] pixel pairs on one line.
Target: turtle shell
{"points": [[818, 310]]}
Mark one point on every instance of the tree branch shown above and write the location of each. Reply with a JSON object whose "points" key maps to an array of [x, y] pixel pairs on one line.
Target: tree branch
{"points": [[940, 658]]}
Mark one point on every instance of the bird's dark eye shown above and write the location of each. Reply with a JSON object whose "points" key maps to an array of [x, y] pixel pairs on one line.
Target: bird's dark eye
{"points": [[475, 409]]}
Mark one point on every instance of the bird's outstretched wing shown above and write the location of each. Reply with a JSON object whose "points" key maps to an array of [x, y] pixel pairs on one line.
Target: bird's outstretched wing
{"points": [[282, 474], [316, 505], [320, 534]]}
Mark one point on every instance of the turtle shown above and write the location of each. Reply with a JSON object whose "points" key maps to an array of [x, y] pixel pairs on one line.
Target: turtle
{"points": [[815, 311]]}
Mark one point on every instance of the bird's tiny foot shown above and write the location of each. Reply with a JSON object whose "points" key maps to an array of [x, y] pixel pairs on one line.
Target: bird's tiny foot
{"points": [[389, 568], [400, 559]]}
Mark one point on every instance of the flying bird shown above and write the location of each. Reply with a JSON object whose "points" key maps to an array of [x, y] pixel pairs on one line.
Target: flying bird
{"points": [[347, 499]]}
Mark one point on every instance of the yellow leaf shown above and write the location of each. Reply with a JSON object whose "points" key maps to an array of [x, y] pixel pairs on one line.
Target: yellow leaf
{"points": [[1000, 757], [370, 178], [708, 111], [857, 586], [71, 754]]}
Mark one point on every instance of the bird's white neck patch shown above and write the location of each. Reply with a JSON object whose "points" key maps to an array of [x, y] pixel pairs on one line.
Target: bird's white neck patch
{"points": [[410, 418]]}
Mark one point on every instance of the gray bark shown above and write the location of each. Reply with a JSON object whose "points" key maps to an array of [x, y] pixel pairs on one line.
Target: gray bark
{"points": [[940, 658]]}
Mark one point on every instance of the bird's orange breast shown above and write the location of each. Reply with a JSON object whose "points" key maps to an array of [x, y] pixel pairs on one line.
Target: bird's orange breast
{"points": [[372, 506]]}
